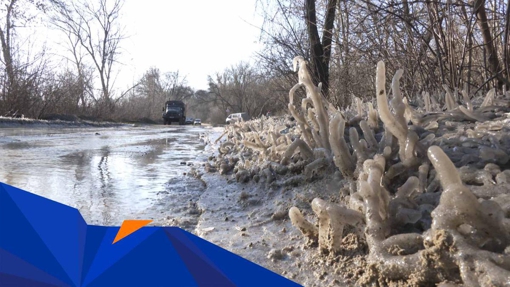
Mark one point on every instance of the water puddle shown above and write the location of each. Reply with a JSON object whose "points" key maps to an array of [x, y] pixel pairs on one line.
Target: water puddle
{"points": [[109, 174]]}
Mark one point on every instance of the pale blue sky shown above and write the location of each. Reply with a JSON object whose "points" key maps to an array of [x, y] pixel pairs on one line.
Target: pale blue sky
{"points": [[198, 38]]}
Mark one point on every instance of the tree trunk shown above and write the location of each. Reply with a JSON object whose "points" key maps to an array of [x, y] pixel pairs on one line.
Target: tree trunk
{"points": [[494, 65], [506, 43], [5, 38], [320, 51]]}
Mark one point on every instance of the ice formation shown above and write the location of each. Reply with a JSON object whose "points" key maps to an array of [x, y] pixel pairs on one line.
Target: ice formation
{"points": [[428, 189]]}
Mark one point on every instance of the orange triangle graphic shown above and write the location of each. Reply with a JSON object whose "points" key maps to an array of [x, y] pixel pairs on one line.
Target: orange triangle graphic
{"points": [[128, 227]]}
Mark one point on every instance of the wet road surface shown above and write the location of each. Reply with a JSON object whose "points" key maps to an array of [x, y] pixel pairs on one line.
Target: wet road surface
{"points": [[109, 174]]}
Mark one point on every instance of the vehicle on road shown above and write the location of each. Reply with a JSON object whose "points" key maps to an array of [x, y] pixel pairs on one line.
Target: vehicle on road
{"points": [[237, 117], [197, 122], [189, 121], [174, 111]]}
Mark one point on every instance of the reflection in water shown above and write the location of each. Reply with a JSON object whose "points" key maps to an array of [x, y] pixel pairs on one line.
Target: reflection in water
{"points": [[79, 172], [82, 162], [108, 179], [102, 167], [105, 180]]}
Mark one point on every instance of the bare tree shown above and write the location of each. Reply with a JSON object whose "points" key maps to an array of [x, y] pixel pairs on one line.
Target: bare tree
{"points": [[231, 87], [151, 90], [241, 88], [176, 87], [96, 27], [23, 67], [5, 38], [84, 72], [284, 36]]}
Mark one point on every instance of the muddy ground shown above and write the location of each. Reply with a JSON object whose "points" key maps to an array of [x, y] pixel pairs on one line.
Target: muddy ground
{"points": [[251, 220]]}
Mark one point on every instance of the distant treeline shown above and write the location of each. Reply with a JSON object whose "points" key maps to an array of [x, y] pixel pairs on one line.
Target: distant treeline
{"points": [[461, 44]]}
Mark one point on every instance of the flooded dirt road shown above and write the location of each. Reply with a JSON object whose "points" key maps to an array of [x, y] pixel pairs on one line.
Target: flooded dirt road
{"points": [[109, 174]]}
